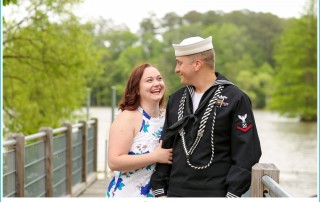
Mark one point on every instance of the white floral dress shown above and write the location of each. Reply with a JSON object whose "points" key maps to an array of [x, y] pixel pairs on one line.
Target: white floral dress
{"points": [[136, 183]]}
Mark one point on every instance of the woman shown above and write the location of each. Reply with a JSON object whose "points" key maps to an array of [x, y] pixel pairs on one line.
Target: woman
{"points": [[134, 136]]}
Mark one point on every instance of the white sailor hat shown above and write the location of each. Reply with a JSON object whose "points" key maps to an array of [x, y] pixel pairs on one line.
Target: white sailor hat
{"points": [[193, 45]]}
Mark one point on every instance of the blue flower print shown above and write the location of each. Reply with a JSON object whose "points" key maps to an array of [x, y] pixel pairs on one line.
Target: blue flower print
{"points": [[144, 126], [110, 186], [119, 184], [145, 189], [157, 134], [141, 152]]}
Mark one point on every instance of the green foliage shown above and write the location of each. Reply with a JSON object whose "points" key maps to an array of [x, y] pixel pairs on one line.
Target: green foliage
{"points": [[171, 20], [46, 68], [128, 59], [7, 2], [114, 45], [262, 29], [193, 17], [295, 84]]}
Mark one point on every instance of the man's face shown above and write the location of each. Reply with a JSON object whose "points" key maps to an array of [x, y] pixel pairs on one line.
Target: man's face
{"points": [[185, 69]]}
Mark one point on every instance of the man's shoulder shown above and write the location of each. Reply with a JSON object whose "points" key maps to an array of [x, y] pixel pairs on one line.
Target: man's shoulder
{"points": [[233, 87], [178, 92], [235, 91]]}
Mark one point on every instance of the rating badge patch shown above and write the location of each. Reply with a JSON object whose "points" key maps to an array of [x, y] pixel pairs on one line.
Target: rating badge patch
{"points": [[243, 124]]}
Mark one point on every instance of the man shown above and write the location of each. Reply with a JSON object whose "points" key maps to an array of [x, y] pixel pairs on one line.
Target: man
{"points": [[211, 128]]}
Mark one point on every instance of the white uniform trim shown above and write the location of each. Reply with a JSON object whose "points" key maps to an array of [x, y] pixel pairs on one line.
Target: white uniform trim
{"points": [[158, 192], [231, 195]]}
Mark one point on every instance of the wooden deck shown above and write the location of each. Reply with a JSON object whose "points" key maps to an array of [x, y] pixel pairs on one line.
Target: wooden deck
{"points": [[96, 189]]}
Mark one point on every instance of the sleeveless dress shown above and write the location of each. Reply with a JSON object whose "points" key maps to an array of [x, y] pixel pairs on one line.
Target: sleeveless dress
{"points": [[136, 183]]}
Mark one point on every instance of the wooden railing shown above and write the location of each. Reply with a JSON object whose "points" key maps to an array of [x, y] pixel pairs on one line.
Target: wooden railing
{"points": [[265, 181], [51, 163]]}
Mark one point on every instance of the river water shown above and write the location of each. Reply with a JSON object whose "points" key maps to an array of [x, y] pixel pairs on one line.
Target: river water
{"points": [[290, 145]]}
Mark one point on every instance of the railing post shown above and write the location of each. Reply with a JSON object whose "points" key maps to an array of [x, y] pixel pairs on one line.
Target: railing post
{"points": [[49, 161], [69, 158], [84, 150], [106, 159], [258, 171], [20, 153], [88, 102], [95, 145], [113, 103]]}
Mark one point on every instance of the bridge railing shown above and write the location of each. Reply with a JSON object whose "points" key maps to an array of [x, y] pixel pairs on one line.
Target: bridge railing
{"points": [[51, 163], [265, 181]]}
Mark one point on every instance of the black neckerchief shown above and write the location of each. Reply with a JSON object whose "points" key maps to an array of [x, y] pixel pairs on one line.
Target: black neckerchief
{"points": [[190, 118]]}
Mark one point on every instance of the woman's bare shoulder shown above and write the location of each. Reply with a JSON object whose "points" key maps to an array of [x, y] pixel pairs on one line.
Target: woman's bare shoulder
{"points": [[126, 116], [127, 121]]}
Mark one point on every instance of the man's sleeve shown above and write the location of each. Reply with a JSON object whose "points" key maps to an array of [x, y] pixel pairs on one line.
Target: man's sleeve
{"points": [[160, 177], [245, 148]]}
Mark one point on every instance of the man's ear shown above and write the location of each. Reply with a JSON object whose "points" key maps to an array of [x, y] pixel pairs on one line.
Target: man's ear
{"points": [[197, 65]]}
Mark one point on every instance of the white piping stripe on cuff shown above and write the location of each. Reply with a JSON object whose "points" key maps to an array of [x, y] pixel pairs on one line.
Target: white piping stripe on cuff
{"points": [[158, 191], [230, 195]]}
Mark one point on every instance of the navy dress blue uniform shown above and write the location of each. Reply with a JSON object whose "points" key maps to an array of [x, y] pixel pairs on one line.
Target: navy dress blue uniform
{"points": [[221, 161]]}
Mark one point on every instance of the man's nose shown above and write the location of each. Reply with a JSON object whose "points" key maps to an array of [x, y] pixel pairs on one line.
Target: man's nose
{"points": [[177, 69]]}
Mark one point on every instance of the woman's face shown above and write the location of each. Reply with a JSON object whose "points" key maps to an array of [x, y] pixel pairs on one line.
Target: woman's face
{"points": [[151, 85]]}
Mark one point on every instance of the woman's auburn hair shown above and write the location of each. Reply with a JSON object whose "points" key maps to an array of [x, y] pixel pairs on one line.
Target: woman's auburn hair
{"points": [[131, 98]]}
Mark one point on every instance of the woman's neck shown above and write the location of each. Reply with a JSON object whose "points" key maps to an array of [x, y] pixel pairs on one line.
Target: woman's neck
{"points": [[152, 109]]}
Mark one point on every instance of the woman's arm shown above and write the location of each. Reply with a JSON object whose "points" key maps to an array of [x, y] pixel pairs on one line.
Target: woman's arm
{"points": [[121, 136]]}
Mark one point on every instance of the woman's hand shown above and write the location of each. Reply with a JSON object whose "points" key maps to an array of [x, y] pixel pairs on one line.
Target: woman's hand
{"points": [[163, 155]]}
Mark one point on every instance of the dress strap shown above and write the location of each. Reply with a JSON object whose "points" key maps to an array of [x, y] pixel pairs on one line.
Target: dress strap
{"points": [[144, 113]]}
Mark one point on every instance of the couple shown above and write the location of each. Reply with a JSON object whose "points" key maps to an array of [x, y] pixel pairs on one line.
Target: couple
{"points": [[203, 145]]}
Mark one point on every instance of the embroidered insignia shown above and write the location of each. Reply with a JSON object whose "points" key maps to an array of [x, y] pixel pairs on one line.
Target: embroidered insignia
{"points": [[242, 124], [220, 101]]}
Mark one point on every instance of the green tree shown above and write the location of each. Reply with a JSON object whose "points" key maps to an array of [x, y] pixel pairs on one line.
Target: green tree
{"points": [[193, 17], [212, 17], [229, 42], [149, 24], [47, 65], [7, 2], [295, 81], [170, 21], [113, 41], [262, 29], [128, 60]]}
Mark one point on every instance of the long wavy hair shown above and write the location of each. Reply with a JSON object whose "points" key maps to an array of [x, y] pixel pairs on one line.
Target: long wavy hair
{"points": [[131, 98]]}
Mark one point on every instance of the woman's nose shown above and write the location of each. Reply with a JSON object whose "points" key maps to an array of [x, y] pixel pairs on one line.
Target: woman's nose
{"points": [[156, 82]]}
